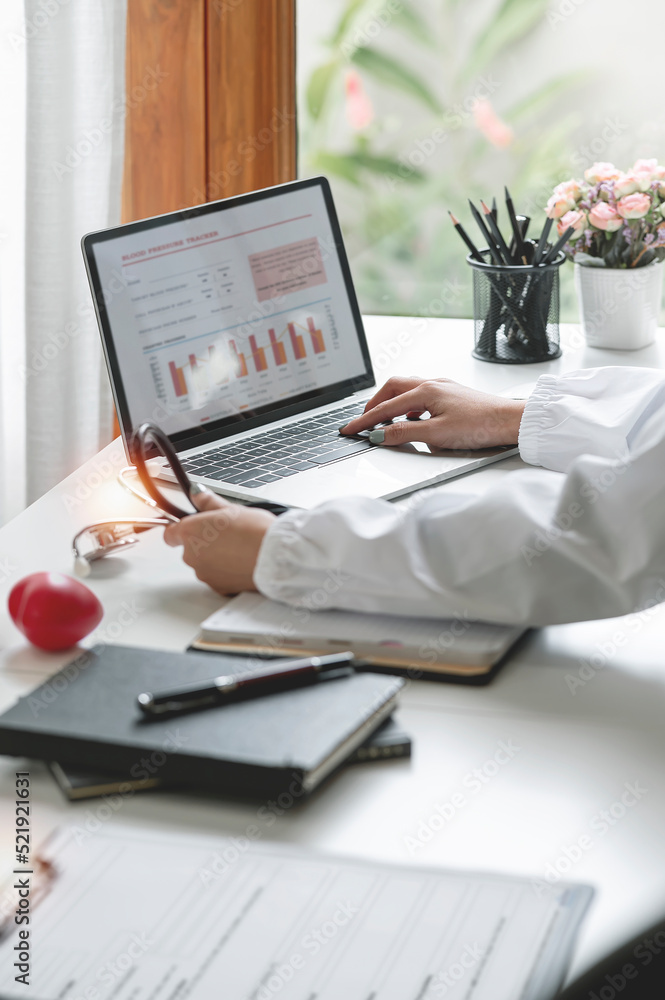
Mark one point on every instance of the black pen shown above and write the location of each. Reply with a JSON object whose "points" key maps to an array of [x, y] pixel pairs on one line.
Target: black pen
{"points": [[250, 684]]}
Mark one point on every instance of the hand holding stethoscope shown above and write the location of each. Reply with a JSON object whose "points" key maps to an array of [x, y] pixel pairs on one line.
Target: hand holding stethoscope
{"points": [[103, 537]]}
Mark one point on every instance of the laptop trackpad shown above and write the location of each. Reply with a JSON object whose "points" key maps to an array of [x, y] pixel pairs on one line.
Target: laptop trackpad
{"points": [[381, 472]]}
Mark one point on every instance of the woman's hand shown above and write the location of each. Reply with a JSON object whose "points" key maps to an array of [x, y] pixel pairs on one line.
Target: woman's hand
{"points": [[459, 417], [221, 543]]}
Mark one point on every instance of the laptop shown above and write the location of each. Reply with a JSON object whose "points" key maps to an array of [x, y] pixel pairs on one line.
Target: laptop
{"points": [[234, 327]]}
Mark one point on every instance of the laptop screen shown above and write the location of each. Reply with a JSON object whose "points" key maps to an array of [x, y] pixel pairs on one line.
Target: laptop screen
{"points": [[237, 311]]}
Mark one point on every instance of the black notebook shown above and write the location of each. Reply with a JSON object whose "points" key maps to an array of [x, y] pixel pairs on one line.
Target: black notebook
{"points": [[76, 783], [289, 741]]}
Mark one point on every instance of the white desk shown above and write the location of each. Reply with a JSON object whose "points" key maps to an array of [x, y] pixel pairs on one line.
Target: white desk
{"points": [[576, 751]]}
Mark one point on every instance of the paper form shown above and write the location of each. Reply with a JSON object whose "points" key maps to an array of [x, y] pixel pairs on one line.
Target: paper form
{"points": [[136, 915]]}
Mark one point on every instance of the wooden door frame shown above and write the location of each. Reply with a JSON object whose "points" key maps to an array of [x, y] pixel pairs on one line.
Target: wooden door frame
{"points": [[199, 126], [251, 123]]}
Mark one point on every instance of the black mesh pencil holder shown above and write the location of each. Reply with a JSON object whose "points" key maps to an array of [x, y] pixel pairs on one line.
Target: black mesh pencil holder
{"points": [[515, 311]]}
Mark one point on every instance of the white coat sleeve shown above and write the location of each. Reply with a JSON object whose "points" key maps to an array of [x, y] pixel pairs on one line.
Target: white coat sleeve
{"points": [[596, 411], [539, 549]]}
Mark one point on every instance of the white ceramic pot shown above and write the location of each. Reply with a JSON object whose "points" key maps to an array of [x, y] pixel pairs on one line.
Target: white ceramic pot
{"points": [[619, 307]]}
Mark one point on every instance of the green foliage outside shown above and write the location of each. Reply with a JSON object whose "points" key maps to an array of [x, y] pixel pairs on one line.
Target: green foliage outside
{"points": [[396, 177]]}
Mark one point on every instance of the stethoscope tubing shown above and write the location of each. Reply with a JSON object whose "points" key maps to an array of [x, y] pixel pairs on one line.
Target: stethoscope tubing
{"points": [[143, 435]]}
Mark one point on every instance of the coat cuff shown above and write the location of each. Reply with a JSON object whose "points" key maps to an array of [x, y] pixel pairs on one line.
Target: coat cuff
{"points": [[536, 420]]}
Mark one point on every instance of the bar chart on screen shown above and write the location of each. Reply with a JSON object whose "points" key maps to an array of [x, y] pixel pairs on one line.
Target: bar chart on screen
{"points": [[238, 307], [276, 358]]}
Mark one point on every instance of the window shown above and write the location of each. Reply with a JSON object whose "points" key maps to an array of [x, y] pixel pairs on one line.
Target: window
{"points": [[413, 107]]}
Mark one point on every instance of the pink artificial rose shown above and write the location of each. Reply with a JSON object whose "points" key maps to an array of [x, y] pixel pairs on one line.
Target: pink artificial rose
{"points": [[570, 189], [646, 171], [603, 216], [646, 166], [488, 122], [575, 219], [626, 183], [359, 110], [558, 204], [634, 206], [601, 172]]}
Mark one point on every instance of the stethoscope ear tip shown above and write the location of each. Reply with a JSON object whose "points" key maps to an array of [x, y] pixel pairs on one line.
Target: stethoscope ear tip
{"points": [[82, 567]]}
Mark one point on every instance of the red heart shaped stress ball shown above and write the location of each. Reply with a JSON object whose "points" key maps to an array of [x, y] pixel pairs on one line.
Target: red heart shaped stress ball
{"points": [[54, 611]]}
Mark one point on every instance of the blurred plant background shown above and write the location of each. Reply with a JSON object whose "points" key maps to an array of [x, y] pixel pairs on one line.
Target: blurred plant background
{"points": [[411, 107]]}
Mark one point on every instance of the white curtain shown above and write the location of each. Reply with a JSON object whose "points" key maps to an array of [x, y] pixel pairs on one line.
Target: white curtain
{"points": [[75, 111], [12, 228]]}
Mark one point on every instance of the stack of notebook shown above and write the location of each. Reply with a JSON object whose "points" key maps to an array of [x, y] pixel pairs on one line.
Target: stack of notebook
{"points": [[78, 782], [289, 741]]}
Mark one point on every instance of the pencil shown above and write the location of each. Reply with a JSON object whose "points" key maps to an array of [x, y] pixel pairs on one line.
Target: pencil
{"points": [[542, 241], [486, 340], [552, 253], [494, 251], [516, 245], [475, 252], [496, 233]]}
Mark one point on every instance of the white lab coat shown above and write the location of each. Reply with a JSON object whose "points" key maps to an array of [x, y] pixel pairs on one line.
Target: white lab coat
{"points": [[581, 538]]}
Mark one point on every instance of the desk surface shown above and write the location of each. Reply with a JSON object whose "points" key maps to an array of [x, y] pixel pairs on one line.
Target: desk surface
{"points": [[580, 705]]}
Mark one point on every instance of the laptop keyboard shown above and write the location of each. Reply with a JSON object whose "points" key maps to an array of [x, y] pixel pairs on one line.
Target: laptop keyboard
{"points": [[276, 454]]}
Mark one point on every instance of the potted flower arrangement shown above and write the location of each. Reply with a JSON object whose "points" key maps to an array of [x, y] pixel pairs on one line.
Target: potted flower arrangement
{"points": [[617, 247]]}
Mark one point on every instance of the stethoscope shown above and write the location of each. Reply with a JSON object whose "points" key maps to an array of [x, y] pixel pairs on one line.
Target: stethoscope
{"points": [[104, 537]]}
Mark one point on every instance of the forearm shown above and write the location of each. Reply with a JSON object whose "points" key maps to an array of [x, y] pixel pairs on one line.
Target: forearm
{"points": [[540, 549]]}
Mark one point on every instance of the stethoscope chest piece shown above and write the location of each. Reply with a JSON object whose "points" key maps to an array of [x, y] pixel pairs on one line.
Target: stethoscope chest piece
{"points": [[100, 539]]}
